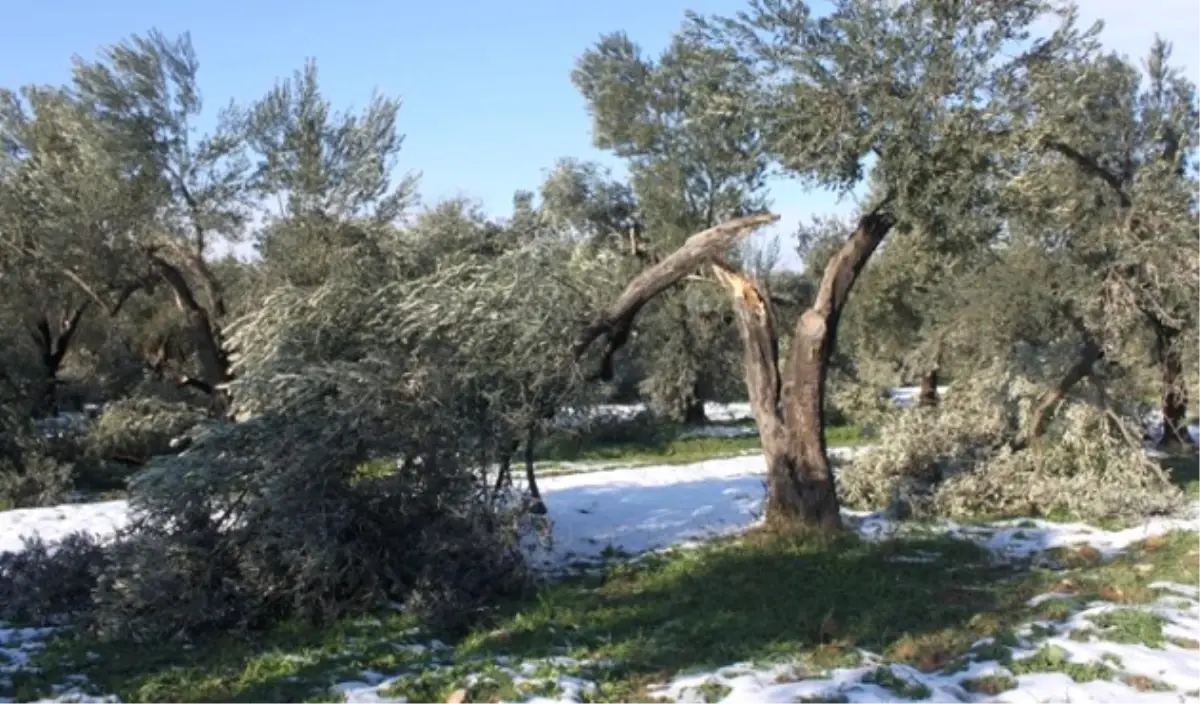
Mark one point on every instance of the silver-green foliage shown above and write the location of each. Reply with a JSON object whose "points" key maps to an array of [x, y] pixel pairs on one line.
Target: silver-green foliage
{"points": [[274, 514], [956, 460]]}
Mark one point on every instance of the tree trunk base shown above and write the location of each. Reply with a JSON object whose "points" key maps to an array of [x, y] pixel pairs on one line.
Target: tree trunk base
{"points": [[798, 505], [695, 414]]}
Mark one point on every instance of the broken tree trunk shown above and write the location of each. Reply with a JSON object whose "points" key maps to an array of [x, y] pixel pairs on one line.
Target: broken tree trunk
{"points": [[615, 322], [788, 407], [1174, 399], [811, 497]]}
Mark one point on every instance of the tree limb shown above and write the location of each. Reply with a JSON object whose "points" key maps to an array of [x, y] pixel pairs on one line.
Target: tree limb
{"points": [[1092, 167], [616, 321]]}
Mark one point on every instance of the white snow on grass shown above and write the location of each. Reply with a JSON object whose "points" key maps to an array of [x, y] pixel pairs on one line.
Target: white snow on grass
{"points": [[646, 508]]}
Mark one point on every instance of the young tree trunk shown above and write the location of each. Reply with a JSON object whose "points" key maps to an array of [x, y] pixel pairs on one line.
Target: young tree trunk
{"points": [[52, 347], [1048, 402], [538, 506], [1174, 399], [504, 474], [789, 408]]}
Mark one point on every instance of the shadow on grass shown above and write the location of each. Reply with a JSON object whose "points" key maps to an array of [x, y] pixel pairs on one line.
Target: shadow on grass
{"points": [[764, 598], [289, 663], [1184, 468]]}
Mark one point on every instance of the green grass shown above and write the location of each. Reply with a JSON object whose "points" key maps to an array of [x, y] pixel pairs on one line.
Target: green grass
{"points": [[570, 452], [663, 445], [762, 599], [808, 602]]}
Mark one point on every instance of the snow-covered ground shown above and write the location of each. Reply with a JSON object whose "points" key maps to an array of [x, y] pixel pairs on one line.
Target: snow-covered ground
{"points": [[640, 509], [646, 508]]}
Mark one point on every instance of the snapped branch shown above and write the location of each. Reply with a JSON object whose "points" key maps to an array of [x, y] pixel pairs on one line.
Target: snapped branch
{"points": [[616, 321]]}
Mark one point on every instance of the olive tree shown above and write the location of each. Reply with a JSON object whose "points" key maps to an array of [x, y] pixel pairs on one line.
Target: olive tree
{"points": [[907, 90], [1116, 177], [682, 125]]}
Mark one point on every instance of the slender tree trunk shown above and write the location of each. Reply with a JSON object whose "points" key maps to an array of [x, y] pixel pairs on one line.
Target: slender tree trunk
{"points": [[538, 506], [504, 475], [1174, 393], [1048, 402]]}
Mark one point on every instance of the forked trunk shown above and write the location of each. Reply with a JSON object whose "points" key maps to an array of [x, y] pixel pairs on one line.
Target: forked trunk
{"points": [[52, 348], [789, 408], [1048, 402], [1173, 404]]}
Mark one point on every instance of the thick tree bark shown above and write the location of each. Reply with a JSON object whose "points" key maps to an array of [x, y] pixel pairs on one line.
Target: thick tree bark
{"points": [[615, 322], [810, 497], [1048, 402], [789, 408], [1174, 392]]}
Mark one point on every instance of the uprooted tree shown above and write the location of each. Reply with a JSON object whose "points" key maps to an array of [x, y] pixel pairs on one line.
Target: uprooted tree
{"points": [[911, 86]]}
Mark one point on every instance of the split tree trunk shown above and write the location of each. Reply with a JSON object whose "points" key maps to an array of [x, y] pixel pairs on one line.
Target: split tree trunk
{"points": [[1174, 400], [803, 492], [789, 408]]}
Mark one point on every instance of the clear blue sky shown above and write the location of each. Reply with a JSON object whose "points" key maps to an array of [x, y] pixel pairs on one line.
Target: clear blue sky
{"points": [[487, 100], [488, 103]]}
